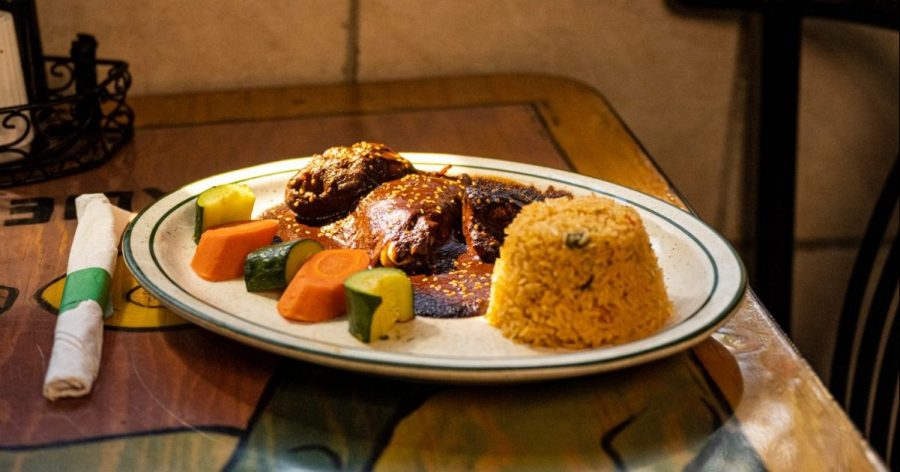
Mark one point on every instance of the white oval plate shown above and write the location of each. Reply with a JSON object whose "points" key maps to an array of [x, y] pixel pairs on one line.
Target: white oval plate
{"points": [[704, 278]]}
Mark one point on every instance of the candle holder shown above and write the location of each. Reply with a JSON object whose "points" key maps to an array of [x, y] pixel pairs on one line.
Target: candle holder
{"points": [[80, 125]]}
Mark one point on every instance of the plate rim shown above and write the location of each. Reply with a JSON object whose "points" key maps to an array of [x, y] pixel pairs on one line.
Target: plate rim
{"points": [[407, 362]]}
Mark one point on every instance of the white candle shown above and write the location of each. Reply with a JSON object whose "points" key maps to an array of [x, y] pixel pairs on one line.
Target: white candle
{"points": [[12, 89]]}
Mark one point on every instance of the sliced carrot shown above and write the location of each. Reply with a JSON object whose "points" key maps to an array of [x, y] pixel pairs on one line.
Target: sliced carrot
{"points": [[309, 299], [335, 264], [222, 249], [316, 293]]}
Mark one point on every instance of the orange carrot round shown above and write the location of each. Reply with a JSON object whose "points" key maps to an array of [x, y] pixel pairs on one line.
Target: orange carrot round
{"points": [[316, 293], [335, 264]]}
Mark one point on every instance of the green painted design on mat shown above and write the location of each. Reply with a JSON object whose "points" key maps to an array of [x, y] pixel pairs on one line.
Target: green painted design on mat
{"points": [[183, 450], [325, 419]]}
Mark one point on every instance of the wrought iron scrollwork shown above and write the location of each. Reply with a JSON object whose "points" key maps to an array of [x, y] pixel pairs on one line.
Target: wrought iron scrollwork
{"points": [[71, 131]]}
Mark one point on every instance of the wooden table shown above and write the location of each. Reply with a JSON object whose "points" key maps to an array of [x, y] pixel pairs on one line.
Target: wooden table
{"points": [[175, 397]]}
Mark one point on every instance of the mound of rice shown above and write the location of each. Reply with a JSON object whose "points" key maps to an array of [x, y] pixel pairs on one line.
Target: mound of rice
{"points": [[577, 273]]}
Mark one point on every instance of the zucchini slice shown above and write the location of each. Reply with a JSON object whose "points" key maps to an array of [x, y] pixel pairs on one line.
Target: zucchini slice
{"points": [[376, 300], [222, 204], [273, 267]]}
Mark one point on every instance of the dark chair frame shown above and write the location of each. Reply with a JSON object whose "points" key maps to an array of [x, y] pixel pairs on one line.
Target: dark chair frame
{"points": [[864, 371]]}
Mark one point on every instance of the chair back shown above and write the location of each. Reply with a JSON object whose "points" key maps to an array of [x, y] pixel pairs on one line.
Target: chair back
{"points": [[864, 367]]}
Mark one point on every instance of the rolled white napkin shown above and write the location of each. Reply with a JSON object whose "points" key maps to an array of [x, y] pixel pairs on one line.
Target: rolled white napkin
{"points": [[75, 360]]}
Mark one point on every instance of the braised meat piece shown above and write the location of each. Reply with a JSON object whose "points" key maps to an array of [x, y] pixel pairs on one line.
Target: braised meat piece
{"points": [[332, 183], [490, 205], [411, 223]]}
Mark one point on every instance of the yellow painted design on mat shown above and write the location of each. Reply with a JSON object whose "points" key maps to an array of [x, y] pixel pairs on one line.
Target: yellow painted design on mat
{"points": [[133, 307], [648, 417]]}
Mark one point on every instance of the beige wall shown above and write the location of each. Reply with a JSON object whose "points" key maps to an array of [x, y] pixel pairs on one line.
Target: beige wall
{"points": [[675, 79]]}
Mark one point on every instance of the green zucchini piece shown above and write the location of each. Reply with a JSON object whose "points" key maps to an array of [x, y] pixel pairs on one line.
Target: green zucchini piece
{"points": [[376, 300], [273, 267], [222, 204]]}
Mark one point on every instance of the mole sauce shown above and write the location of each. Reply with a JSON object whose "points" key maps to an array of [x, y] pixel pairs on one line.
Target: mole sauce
{"points": [[460, 292]]}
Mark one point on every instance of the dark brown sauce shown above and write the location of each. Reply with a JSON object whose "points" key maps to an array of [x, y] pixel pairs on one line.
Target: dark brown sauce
{"points": [[289, 229], [460, 292]]}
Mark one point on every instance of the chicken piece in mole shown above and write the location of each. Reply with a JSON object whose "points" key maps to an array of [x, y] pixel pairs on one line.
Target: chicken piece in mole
{"points": [[332, 183], [490, 205], [412, 223]]}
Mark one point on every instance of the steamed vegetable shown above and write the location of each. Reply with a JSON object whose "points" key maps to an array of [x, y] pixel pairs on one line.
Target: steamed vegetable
{"points": [[222, 204], [316, 293], [222, 250], [376, 300], [273, 267]]}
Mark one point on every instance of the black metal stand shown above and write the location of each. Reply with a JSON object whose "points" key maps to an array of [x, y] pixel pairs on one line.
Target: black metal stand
{"points": [[71, 132], [74, 121]]}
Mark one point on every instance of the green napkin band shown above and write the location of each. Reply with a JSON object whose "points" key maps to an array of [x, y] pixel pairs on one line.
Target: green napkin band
{"points": [[91, 283]]}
